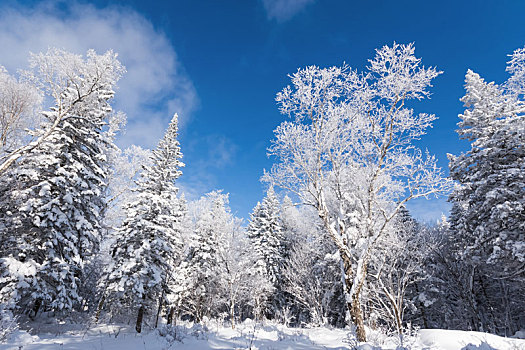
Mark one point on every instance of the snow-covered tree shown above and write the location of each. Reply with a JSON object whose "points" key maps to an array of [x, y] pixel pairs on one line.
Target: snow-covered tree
{"points": [[397, 264], [212, 223], [150, 240], [19, 103], [491, 174], [219, 273], [237, 279], [265, 232], [126, 168], [488, 218], [311, 277], [53, 199], [203, 260], [348, 152]]}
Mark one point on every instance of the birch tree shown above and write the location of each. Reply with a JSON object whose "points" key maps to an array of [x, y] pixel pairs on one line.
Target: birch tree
{"points": [[71, 84], [348, 151], [19, 102]]}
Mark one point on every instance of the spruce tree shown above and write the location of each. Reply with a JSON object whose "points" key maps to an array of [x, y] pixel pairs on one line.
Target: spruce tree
{"points": [[491, 176], [213, 222], [266, 234], [150, 234], [488, 217], [53, 198]]}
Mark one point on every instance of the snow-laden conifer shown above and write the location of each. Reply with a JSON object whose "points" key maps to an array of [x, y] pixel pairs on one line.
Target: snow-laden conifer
{"points": [[212, 224], [491, 174], [266, 233], [53, 198], [150, 237], [488, 217]]}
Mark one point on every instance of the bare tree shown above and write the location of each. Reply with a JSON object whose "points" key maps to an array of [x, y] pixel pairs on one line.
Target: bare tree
{"points": [[69, 83], [308, 279], [396, 265], [348, 152], [18, 104]]}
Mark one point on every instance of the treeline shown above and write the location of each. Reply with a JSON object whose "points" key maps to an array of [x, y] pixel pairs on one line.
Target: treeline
{"points": [[89, 230]]}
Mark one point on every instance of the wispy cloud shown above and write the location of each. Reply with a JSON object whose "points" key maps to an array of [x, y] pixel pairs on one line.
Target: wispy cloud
{"points": [[215, 154], [283, 10], [155, 85], [429, 210], [221, 151]]}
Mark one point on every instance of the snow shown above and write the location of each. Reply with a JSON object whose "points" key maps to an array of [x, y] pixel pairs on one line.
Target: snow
{"points": [[249, 335], [451, 340]]}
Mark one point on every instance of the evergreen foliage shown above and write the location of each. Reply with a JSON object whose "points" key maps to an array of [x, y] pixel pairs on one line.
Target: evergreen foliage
{"points": [[150, 239], [488, 218], [82, 221], [53, 199], [265, 232]]}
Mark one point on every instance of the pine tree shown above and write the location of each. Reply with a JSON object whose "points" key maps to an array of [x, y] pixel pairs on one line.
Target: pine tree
{"points": [[151, 233], [488, 217], [266, 234], [491, 175], [54, 196], [213, 222]]}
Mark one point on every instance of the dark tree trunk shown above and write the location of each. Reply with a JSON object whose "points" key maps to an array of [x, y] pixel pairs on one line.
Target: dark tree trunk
{"points": [[422, 308], [158, 312], [36, 307], [99, 307], [170, 315], [140, 316]]}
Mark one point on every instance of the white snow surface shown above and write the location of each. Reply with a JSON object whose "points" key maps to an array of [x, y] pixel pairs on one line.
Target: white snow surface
{"points": [[249, 336]]}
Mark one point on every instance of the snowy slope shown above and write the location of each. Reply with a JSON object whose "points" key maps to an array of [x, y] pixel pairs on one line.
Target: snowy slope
{"points": [[248, 335]]}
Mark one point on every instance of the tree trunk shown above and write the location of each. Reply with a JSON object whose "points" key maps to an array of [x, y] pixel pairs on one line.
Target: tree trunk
{"points": [[140, 316], [351, 292], [158, 311], [352, 301], [232, 314], [422, 308], [36, 307], [170, 315], [470, 295], [399, 321], [357, 318], [99, 307]]}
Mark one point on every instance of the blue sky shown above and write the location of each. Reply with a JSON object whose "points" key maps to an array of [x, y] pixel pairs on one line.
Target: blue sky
{"points": [[220, 64]]}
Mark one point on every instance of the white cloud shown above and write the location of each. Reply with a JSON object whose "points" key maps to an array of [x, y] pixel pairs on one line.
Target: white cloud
{"points": [[283, 10], [155, 85], [429, 210], [215, 154]]}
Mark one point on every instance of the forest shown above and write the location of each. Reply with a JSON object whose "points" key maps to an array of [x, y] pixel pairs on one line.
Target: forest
{"points": [[94, 234]]}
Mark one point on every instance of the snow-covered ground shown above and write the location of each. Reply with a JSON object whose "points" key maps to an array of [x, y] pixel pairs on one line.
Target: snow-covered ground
{"points": [[250, 336]]}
